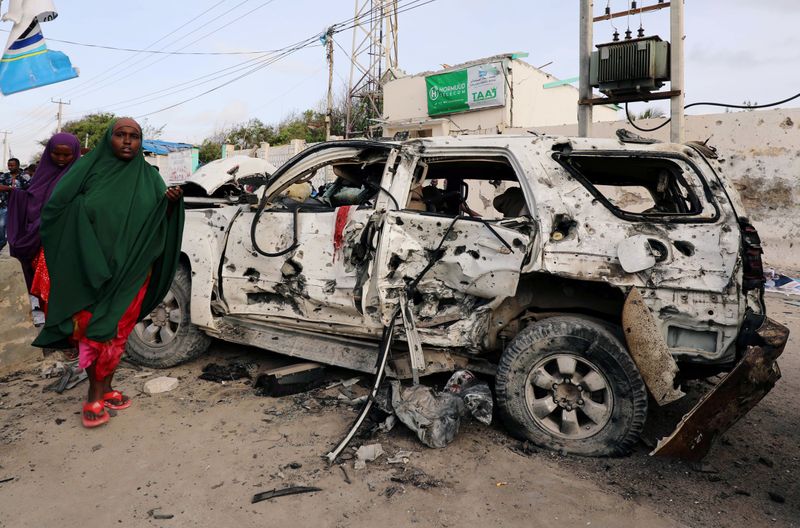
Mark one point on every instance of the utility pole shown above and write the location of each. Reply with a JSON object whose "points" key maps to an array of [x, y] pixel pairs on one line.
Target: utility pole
{"points": [[5, 147], [329, 55], [585, 40], [676, 36], [60, 113]]}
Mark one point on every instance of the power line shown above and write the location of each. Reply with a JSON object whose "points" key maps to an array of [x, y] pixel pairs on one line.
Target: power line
{"points": [[706, 103], [118, 65], [259, 62], [266, 62], [72, 88], [128, 74], [155, 52]]}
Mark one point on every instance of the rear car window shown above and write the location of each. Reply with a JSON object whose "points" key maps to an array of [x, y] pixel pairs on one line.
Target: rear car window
{"points": [[642, 187]]}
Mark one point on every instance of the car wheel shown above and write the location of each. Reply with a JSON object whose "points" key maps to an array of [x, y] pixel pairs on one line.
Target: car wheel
{"points": [[166, 337], [568, 384]]}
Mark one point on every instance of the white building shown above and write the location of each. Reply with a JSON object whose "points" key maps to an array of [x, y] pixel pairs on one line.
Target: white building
{"points": [[482, 96]]}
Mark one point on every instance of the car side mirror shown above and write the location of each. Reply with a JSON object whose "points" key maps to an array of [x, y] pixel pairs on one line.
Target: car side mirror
{"points": [[636, 254]]}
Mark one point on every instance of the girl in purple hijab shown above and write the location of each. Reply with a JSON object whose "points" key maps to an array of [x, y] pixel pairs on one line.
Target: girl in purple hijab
{"points": [[25, 206]]}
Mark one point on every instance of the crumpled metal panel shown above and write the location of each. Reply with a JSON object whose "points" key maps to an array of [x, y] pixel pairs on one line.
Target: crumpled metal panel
{"points": [[649, 350], [734, 396]]}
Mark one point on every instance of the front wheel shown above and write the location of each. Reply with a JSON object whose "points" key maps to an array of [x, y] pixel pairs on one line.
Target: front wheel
{"points": [[568, 384], [166, 336]]}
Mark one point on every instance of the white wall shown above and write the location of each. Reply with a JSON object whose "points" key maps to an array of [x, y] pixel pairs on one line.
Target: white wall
{"points": [[406, 106]]}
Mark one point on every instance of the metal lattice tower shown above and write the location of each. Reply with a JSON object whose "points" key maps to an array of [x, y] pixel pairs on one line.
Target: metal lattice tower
{"points": [[374, 53]]}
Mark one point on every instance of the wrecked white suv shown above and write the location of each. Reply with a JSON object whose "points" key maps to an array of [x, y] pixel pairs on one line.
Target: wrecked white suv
{"points": [[522, 257]]}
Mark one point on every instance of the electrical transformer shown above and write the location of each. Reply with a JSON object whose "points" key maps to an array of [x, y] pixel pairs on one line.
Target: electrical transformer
{"points": [[629, 67]]}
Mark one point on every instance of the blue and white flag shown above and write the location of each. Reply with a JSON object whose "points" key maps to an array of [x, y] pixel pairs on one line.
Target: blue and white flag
{"points": [[27, 63]]}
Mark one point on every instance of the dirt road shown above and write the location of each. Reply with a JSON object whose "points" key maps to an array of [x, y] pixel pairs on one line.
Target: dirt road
{"points": [[200, 452]]}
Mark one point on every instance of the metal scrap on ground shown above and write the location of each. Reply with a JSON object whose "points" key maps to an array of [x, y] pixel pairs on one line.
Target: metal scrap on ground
{"points": [[272, 494]]}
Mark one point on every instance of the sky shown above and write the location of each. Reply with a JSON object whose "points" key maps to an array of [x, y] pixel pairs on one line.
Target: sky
{"points": [[736, 50]]}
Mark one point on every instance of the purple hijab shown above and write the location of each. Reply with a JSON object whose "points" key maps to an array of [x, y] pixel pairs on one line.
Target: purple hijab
{"points": [[25, 206]]}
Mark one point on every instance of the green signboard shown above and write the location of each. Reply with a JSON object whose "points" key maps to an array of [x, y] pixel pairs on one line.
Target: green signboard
{"points": [[469, 89]]}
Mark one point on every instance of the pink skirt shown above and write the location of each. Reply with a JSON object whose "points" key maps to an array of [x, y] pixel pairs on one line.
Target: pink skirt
{"points": [[106, 356]]}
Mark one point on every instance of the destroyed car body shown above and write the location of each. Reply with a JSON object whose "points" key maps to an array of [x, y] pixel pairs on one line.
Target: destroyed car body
{"points": [[582, 273]]}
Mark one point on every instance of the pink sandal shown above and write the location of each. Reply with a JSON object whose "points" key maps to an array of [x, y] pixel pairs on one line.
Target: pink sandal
{"points": [[98, 410], [110, 400]]}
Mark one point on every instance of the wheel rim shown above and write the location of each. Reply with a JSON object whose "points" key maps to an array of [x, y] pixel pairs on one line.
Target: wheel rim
{"points": [[160, 326], [568, 396]]}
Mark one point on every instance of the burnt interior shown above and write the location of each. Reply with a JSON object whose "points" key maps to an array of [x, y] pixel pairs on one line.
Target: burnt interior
{"points": [[444, 186]]}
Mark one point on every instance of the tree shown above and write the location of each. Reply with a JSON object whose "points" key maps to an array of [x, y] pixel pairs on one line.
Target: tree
{"points": [[651, 113], [94, 125], [209, 150]]}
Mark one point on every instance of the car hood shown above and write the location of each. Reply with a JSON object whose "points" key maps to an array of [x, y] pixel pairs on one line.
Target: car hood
{"points": [[214, 175]]}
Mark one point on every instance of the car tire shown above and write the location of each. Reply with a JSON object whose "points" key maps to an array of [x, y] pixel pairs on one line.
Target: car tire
{"points": [[166, 337], [569, 384]]}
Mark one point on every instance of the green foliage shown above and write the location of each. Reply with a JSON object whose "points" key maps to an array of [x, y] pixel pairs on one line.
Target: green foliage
{"points": [[93, 124], [210, 150], [651, 113]]}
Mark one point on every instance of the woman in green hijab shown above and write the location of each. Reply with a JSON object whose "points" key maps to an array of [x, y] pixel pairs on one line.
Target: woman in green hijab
{"points": [[111, 235]]}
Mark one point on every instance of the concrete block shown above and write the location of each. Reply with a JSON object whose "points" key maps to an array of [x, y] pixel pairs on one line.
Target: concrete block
{"points": [[16, 326], [161, 384]]}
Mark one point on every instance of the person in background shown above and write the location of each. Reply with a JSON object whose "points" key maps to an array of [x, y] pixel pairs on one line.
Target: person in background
{"points": [[30, 170], [111, 235], [8, 181], [25, 207]]}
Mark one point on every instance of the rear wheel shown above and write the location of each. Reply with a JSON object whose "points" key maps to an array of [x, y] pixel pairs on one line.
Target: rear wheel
{"points": [[568, 384], [166, 337]]}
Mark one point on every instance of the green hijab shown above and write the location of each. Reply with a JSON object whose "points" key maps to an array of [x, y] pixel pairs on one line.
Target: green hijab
{"points": [[103, 230]]}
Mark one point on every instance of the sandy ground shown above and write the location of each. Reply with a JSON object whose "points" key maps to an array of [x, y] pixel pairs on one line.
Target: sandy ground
{"points": [[200, 452]]}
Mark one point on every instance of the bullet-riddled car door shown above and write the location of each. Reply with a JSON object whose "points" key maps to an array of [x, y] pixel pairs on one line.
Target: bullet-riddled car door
{"points": [[453, 269]]}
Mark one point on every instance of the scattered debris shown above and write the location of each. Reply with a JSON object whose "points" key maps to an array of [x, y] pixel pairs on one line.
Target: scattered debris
{"points": [[391, 490], [160, 384], [524, 448], [97, 447], [401, 457], [221, 373], [501, 484], [291, 379], [388, 424], [293, 465], [215, 486], [345, 383], [69, 372], [383, 357], [367, 453], [346, 476], [776, 497], [434, 416], [417, 478], [292, 490], [59, 421], [7, 479], [53, 370], [765, 462], [777, 282], [143, 374], [159, 516], [476, 394]]}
